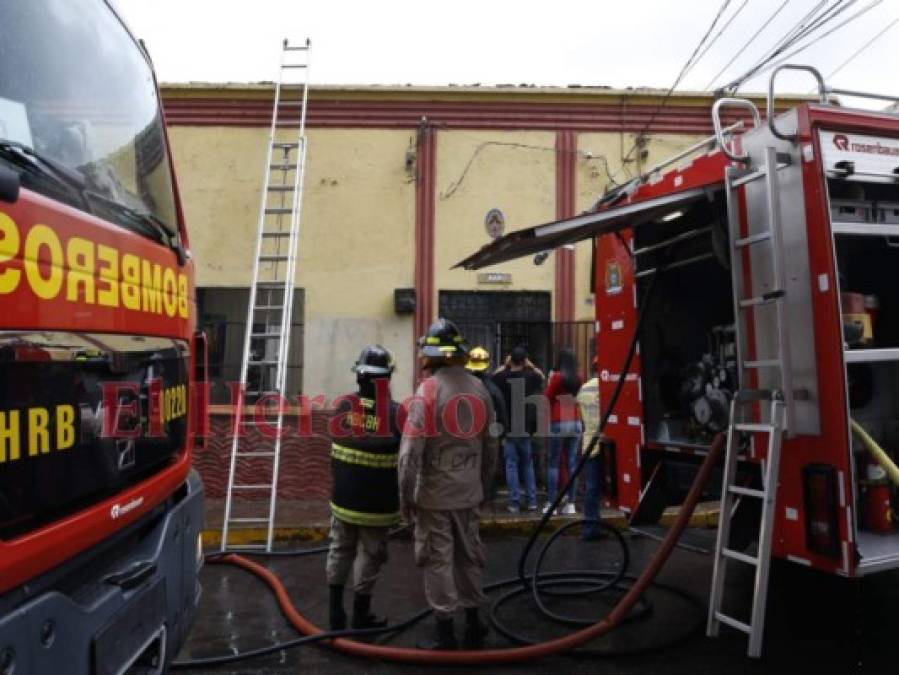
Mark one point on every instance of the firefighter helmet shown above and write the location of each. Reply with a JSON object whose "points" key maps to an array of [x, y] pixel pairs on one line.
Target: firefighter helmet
{"points": [[374, 360], [478, 359], [443, 339]]}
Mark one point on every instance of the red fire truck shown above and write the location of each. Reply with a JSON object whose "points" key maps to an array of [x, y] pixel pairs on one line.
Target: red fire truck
{"points": [[100, 512], [774, 250]]}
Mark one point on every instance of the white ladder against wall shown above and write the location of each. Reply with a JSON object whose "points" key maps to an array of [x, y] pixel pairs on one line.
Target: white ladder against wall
{"points": [[264, 362]]}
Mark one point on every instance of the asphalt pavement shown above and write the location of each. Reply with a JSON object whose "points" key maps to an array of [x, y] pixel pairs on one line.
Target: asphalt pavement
{"points": [[816, 623]]}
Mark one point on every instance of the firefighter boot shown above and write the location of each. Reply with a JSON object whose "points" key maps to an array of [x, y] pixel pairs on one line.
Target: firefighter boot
{"points": [[475, 630], [362, 616], [444, 638], [338, 615]]}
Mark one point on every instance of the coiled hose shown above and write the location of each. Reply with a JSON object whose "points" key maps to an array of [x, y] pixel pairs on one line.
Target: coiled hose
{"points": [[592, 580]]}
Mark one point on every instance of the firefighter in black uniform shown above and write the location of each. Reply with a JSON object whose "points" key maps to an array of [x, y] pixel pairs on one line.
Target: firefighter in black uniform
{"points": [[365, 498]]}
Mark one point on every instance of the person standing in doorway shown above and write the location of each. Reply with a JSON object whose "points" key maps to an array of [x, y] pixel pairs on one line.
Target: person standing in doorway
{"points": [[565, 427], [447, 458], [519, 384], [588, 406], [364, 496]]}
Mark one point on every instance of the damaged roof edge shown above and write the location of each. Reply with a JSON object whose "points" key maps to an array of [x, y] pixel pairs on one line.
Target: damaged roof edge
{"points": [[531, 240]]}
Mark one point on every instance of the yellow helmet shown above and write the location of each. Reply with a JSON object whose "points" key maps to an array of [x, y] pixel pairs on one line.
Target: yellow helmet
{"points": [[478, 359]]}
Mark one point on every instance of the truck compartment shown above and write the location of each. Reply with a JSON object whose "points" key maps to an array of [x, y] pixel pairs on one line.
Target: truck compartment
{"points": [[865, 222], [687, 339]]}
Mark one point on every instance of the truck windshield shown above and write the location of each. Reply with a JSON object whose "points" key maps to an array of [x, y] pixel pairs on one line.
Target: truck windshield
{"points": [[76, 89]]}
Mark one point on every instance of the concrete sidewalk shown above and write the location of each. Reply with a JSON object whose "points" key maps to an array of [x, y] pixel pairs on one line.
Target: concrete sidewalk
{"points": [[309, 520]]}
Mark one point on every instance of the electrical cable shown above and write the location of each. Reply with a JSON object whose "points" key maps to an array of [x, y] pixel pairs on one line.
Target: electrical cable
{"points": [[689, 63], [718, 35], [746, 44], [862, 48], [817, 39], [776, 48]]}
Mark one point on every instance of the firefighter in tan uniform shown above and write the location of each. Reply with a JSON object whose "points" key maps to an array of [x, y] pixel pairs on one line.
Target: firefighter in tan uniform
{"points": [[364, 498], [447, 459]]}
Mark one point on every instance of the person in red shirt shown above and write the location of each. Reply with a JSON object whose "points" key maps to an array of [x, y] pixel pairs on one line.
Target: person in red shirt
{"points": [[565, 426]]}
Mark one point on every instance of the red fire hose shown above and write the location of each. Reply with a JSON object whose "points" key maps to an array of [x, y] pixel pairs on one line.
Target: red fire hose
{"points": [[514, 654]]}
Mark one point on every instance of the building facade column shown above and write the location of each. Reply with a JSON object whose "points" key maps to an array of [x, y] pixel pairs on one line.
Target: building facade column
{"points": [[425, 179], [566, 163]]}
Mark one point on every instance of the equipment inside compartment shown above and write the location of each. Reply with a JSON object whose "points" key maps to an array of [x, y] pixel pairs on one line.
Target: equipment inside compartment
{"points": [[687, 340], [869, 304]]}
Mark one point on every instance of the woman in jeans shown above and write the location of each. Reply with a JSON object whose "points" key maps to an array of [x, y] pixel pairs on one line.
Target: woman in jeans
{"points": [[565, 426]]}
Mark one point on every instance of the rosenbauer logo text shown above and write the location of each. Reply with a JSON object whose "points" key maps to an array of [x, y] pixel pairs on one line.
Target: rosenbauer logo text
{"points": [[843, 143], [82, 271], [119, 510]]}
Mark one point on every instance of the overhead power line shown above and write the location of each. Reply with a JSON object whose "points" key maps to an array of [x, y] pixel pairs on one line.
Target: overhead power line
{"points": [[809, 30], [862, 48], [718, 34], [680, 76], [747, 43], [817, 39]]}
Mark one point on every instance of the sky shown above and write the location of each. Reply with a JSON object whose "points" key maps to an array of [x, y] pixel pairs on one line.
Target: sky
{"points": [[618, 43]]}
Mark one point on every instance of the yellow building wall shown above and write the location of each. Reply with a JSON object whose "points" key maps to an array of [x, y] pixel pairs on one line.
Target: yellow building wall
{"points": [[356, 245], [478, 171], [357, 242]]}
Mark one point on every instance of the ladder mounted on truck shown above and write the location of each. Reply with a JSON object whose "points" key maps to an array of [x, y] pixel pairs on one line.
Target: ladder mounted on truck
{"points": [[769, 289], [264, 364]]}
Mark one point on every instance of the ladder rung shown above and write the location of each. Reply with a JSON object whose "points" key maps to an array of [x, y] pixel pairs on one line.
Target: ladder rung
{"points": [[294, 65], [285, 166], [248, 520], [269, 235], [248, 547], [753, 239], [747, 492], [269, 308], [733, 623], [277, 285], [265, 335], [259, 393], [279, 210], [280, 188], [759, 428], [742, 557], [762, 363], [255, 454], [251, 487], [264, 362], [272, 258], [754, 395], [286, 146], [304, 48], [772, 296]]}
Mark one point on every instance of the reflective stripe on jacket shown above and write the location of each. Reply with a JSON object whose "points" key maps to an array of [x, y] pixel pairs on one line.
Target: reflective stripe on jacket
{"points": [[364, 454]]}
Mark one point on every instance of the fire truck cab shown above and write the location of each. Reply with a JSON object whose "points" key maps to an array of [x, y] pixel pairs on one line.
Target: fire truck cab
{"points": [[774, 243], [100, 512]]}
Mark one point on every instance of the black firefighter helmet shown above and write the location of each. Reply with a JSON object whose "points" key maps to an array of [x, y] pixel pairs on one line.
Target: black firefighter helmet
{"points": [[374, 360], [443, 339]]}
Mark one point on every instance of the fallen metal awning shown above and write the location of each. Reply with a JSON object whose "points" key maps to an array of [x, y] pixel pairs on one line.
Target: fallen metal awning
{"points": [[531, 240]]}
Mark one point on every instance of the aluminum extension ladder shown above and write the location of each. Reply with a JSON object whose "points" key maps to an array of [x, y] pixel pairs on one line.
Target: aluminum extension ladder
{"points": [[264, 364], [730, 493], [771, 279]]}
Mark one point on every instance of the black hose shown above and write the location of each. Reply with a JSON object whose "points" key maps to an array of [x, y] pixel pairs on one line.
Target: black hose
{"points": [[587, 581], [610, 407]]}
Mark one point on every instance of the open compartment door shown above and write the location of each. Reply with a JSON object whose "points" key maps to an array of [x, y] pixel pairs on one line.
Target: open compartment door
{"points": [[604, 220]]}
